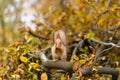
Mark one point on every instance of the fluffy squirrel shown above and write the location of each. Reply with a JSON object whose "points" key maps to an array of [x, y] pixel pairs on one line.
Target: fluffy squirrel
{"points": [[59, 51]]}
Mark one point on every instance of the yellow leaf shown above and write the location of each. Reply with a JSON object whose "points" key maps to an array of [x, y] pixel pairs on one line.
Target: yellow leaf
{"points": [[89, 35], [62, 77], [76, 57], [23, 59], [71, 60], [1, 78], [37, 61], [82, 61], [88, 17], [118, 68], [78, 13], [34, 65], [100, 22]]}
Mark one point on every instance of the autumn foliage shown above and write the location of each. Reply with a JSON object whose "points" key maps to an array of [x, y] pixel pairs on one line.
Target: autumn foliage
{"points": [[93, 40]]}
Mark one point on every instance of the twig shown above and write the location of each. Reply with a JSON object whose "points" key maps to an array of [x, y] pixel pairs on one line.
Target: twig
{"points": [[103, 51], [102, 13], [97, 1], [104, 43], [114, 33], [107, 62], [109, 2], [46, 48], [106, 49], [99, 50], [39, 36], [75, 49]]}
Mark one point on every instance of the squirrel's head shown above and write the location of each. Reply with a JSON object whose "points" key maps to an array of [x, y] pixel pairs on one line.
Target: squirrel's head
{"points": [[58, 46], [58, 43]]}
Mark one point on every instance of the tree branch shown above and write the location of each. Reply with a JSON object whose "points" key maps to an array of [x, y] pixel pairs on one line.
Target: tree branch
{"points": [[67, 66], [110, 71], [106, 50], [99, 50], [104, 43], [73, 66], [39, 36]]}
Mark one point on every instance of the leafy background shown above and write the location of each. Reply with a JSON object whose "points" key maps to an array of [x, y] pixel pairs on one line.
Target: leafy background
{"points": [[43, 17]]}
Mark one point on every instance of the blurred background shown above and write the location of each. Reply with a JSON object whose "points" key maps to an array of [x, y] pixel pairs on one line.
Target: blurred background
{"points": [[15, 14], [39, 14], [18, 13]]}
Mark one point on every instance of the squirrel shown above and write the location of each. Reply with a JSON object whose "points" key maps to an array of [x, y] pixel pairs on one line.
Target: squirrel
{"points": [[59, 51]]}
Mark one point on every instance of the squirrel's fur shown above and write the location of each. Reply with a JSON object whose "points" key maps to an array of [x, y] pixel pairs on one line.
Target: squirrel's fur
{"points": [[59, 50]]}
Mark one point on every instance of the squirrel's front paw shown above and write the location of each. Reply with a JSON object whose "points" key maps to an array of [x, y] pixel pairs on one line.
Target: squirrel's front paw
{"points": [[55, 60]]}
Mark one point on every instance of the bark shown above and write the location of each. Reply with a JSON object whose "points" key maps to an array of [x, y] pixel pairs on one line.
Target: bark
{"points": [[110, 71], [64, 65]]}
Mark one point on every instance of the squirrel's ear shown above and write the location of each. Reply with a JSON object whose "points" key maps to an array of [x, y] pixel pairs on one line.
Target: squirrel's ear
{"points": [[55, 35]]}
